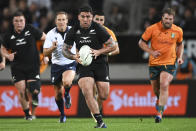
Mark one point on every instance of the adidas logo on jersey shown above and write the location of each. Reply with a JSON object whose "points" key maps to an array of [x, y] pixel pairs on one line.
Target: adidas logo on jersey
{"points": [[52, 79], [37, 77], [12, 37], [78, 32], [107, 78], [13, 78]]}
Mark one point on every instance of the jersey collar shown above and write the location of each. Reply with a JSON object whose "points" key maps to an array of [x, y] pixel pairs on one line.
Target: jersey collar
{"points": [[161, 26], [62, 32]]}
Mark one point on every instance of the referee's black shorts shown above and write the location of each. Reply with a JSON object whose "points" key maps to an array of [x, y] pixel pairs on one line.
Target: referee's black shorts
{"points": [[99, 71]]}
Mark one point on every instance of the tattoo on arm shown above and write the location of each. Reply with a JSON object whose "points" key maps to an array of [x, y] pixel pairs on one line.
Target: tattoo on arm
{"points": [[67, 51], [110, 42]]}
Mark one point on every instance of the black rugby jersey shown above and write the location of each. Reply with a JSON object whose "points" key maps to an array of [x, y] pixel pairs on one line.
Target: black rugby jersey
{"points": [[95, 36], [24, 44], [1, 41]]}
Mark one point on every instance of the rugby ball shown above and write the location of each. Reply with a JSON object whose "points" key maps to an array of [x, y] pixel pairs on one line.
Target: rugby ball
{"points": [[85, 55]]}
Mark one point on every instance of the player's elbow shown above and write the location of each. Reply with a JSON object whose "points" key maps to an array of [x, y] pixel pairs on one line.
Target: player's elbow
{"points": [[141, 44], [117, 50], [45, 53]]}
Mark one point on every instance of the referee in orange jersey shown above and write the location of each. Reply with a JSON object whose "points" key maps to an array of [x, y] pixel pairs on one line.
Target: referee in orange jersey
{"points": [[166, 48]]}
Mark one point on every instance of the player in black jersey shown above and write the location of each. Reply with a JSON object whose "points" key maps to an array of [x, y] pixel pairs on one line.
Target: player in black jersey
{"points": [[24, 58], [2, 58], [87, 32]]}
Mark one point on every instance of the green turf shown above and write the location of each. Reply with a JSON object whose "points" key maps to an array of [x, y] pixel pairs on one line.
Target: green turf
{"points": [[87, 124]]}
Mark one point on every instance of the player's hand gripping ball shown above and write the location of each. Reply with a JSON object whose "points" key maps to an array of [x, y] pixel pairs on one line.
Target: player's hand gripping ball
{"points": [[85, 55]]}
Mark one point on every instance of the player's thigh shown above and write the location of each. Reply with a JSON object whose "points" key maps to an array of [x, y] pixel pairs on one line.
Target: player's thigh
{"points": [[68, 76], [86, 85], [20, 85], [165, 78], [103, 89]]}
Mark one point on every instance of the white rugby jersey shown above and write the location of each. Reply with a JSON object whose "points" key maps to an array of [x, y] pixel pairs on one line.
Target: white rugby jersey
{"points": [[57, 55]]}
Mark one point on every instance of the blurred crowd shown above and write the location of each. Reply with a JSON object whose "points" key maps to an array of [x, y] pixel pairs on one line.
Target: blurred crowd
{"points": [[185, 15], [119, 13], [39, 13]]}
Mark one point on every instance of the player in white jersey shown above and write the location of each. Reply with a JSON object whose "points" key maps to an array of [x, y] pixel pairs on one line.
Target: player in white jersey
{"points": [[62, 69]]}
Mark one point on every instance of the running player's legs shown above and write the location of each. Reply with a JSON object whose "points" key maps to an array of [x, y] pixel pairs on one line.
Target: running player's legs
{"points": [[33, 85], [68, 74], [103, 89], [166, 76], [156, 86], [102, 80], [58, 89], [86, 85], [165, 79], [95, 91], [19, 82], [67, 78], [155, 79], [21, 85]]}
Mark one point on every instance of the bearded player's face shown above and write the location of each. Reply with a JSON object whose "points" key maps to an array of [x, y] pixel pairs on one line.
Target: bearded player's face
{"points": [[167, 20]]}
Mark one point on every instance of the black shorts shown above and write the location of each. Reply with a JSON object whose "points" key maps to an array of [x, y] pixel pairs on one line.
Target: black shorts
{"points": [[57, 71], [156, 70], [99, 71], [26, 73]]}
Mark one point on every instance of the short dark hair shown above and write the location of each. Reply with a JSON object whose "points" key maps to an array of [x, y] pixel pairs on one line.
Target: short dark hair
{"points": [[100, 13], [169, 11], [85, 8], [18, 13]]}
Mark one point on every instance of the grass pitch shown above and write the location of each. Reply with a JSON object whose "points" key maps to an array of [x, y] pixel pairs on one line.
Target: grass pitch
{"points": [[87, 124]]}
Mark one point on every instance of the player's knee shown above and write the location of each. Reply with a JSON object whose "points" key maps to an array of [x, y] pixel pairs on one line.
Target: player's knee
{"points": [[67, 83], [164, 86], [103, 96], [34, 87]]}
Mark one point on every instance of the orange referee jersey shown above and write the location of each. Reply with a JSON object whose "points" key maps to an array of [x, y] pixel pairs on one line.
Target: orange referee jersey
{"points": [[163, 40]]}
